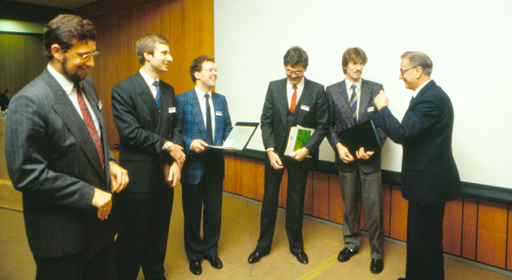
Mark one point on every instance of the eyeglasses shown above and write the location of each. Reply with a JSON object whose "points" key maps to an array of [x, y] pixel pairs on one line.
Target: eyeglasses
{"points": [[405, 70], [85, 56], [210, 69], [297, 73]]}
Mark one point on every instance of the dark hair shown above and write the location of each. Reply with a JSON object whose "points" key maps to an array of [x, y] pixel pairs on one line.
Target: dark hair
{"points": [[419, 59], [147, 43], [66, 31], [197, 65], [354, 55], [295, 56]]}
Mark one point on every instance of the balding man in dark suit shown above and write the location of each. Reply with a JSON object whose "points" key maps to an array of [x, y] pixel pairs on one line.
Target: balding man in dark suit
{"points": [[429, 173]]}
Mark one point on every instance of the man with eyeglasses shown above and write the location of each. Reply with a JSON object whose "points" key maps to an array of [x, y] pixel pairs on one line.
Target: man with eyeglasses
{"points": [[351, 103], [144, 109], [429, 173], [205, 121], [289, 102], [57, 155]]}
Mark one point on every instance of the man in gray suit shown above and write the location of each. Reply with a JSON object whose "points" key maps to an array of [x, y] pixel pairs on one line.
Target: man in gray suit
{"points": [[57, 156], [351, 103]]}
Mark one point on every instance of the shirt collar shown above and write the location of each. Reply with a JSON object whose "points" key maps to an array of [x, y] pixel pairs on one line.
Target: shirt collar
{"points": [[420, 88], [147, 78], [300, 85], [349, 84], [66, 84], [200, 93]]}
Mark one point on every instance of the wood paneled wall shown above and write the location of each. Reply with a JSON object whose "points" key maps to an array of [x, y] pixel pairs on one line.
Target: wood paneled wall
{"points": [[187, 24], [21, 60], [473, 229]]}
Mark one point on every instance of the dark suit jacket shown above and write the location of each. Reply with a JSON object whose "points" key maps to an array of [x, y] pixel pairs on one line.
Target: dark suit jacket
{"points": [[275, 110], [429, 173], [340, 118], [52, 160], [143, 130], [191, 118]]}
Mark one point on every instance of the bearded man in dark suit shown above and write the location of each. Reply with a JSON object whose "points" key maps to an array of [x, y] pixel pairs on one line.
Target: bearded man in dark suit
{"points": [[57, 155]]}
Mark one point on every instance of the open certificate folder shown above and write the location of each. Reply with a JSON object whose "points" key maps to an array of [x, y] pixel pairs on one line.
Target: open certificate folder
{"points": [[239, 136], [297, 139]]}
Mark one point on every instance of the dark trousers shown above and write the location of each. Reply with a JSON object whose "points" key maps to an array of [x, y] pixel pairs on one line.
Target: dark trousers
{"points": [[143, 241], [78, 266], [297, 177], [207, 192], [425, 258], [371, 187]]}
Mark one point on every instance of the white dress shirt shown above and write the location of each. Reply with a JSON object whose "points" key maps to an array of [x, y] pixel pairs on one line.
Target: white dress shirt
{"points": [[289, 91], [150, 82], [200, 96], [358, 92], [69, 88]]}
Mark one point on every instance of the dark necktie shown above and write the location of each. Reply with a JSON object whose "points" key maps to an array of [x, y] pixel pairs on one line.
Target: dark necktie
{"points": [[209, 134], [353, 102], [155, 83], [293, 103], [90, 124]]}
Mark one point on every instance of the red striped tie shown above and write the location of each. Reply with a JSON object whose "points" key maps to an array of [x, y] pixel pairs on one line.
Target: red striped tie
{"points": [[90, 124]]}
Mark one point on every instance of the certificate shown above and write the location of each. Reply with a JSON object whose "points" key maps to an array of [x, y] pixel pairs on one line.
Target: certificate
{"points": [[239, 136]]}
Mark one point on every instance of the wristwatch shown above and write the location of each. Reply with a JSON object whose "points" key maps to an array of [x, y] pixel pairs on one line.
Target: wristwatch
{"points": [[168, 145]]}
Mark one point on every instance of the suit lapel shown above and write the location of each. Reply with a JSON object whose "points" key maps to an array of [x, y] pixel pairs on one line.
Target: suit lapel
{"points": [[196, 111], [364, 100], [165, 103], [75, 124], [281, 101], [345, 102], [147, 97], [306, 99], [420, 94], [217, 106]]}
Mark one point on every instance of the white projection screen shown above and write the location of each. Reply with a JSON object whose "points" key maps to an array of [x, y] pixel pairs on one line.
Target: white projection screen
{"points": [[469, 42]]}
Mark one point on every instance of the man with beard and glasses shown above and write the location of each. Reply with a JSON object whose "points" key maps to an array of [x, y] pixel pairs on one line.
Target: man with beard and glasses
{"points": [[429, 176], [351, 103], [144, 109], [57, 155], [205, 120]]}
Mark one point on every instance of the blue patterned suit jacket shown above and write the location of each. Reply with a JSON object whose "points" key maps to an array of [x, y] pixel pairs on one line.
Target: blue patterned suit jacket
{"points": [[193, 127], [340, 118]]}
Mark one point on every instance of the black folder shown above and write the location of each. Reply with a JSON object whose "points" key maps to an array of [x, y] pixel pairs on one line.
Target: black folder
{"points": [[360, 135]]}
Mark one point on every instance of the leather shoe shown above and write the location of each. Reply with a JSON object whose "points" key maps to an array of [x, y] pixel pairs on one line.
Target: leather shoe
{"points": [[255, 256], [214, 261], [195, 267], [302, 257], [346, 254], [377, 266]]}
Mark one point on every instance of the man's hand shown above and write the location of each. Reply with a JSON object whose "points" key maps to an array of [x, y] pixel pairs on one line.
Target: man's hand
{"points": [[300, 154], [174, 175], [177, 154], [103, 201], [198, 146], [345, 155], [275, 161], [381, 100], [362, 155], [118, 177]]}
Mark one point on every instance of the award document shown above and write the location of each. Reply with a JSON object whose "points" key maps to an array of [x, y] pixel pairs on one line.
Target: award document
{"points": [[360, 135], [239, 136], [297, 139]]}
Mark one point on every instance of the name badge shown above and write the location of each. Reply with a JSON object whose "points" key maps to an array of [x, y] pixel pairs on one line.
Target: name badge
{"points": [[172, 110], [218, 113], [304, 107], [100, 105], [371, 109]]}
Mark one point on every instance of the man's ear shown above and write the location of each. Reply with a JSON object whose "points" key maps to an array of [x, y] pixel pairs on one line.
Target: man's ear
{"points": [[197, 75], [148, 56], [57, 51]]}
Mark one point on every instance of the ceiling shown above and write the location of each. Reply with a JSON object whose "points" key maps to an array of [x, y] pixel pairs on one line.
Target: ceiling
{"points": [[65, 4]]}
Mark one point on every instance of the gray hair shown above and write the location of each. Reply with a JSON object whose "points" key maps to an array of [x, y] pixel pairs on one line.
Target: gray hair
{"points": [[419, 59]]}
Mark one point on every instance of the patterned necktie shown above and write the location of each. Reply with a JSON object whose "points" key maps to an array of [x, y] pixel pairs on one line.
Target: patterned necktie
{"points": [[209, 134], [156, 83], [293, 103], [90, 124], [353, 102]]}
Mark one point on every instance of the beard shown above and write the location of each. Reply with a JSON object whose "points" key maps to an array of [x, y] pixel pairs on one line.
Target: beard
{"points": [[74, 77]]}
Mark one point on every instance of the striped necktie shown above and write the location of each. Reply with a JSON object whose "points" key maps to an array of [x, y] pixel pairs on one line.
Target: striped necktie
{"points": [[353, 102], [156, 83]]}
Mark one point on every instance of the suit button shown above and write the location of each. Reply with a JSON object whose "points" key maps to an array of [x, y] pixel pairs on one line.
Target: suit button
{"points": [[77, 171], [149, 119], [170, 136]]}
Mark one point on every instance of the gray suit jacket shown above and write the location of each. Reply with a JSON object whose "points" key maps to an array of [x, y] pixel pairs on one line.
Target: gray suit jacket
{"points": [[340, 118], [52, 160]]}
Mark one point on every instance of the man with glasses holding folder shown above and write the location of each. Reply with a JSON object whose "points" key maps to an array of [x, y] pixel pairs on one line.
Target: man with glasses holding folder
{"points": [[351, 103]]}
